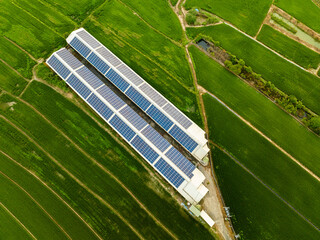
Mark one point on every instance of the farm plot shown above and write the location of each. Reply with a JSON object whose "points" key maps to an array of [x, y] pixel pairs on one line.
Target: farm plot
{"points": [[246, 15], [291, 182], [286, 76], [100, 145], [101, 218], [289, 48], [303, 10], [159, 15], [256, 212], [258, 110], [10, 80], [115, 17]]}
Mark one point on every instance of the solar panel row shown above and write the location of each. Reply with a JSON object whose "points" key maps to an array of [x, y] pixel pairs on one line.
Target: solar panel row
{"points": [[144, 149], [153, 136], [92, 79], [100, 107], [111, 97], [172, 175], [78, 86], [137, 98], [98, 63], [80, 47], [68, 57], [182, 119], [159, 117], [89, 39], [183, 138], [117, 80], [133, 117], [59, 67], [122, 128], [180, 161]]}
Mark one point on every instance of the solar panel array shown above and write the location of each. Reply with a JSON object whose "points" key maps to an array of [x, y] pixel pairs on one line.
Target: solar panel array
{"points": [[131, 83], [133, 128]]}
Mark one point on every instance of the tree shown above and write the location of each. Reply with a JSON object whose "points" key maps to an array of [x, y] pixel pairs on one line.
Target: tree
{"points": [[191, 19]]}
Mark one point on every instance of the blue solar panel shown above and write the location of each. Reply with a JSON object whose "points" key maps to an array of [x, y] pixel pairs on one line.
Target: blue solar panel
{"points": [[143, 148], [133, 117], [100, 107], [80, 47], [111, 97], [172, 175], [78, 86], [98, 63], [183, 138], [153, 136], [122, 128], [117, 80], [137, 98], [62, 70], [89, 77], [71, 60], [159, 117], [180, 161]]}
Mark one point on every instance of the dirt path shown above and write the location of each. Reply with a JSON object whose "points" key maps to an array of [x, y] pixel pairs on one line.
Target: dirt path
{"points": [[266, 186], [51, 190], [102, 168], [267, 138], [17, 220], [38, 204], [74, 177]]}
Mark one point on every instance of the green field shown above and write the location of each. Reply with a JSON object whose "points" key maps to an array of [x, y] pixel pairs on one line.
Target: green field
{"points": [[256, 212], [287, 77], [289, 48], [246, 15], [256, 108], [273, 168], [303, 10]]}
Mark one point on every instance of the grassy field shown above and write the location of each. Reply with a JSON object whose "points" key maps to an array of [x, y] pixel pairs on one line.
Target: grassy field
{"points": [[289, 48], [309, 14], [10, 80], [159, 15], [256, 212], [96, 142], [268, 164], [246, 15], [174, 2], [128, 27], [158, 77], [287, 77], [256, 108], [66, 218]]}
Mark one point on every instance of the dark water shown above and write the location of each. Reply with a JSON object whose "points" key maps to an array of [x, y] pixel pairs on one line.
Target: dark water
{"points": [[202, 43]]}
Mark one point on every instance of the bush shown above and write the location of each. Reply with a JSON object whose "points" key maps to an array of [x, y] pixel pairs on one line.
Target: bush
{"points": [[191, 19]]}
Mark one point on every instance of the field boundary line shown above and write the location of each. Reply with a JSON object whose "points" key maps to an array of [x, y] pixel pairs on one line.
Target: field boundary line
{"points": [[13, 69], [22, 49], [36, 202], [51, 190], [17, 220], [264, 136], [73, 177], [265, 185], [266, 18], [93, 160]]}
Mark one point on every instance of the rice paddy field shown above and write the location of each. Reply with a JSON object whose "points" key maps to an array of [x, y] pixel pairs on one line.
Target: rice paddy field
{"points": [[65, 174]]}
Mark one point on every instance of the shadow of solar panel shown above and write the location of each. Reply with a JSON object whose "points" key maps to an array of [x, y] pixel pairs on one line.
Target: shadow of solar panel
{"points": [[170, 174], [89, 77], [117, 80], [133, 117], [111, 97], [137, 98], [98, 63], [159, 117], [143, 148], [80, 47], [153, 136], [78, 86], [71, 60], [180, 161], [56, 65], [183, 138], [100, 107], [124, 130], [177, 115]]}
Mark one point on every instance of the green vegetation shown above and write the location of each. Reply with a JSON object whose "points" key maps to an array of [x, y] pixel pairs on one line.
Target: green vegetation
{"points": [[114, 18], [305, 11], [10, 80], [200, 17], [174, 2], [158, 77], [66, 218], [289, 48], [16, 58], [28, 32], [159, 15], [95, 141], [282, 23], [270, 165], [284, 75], [256, 108], [256, 212], [191, 17], [246, 16]]}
